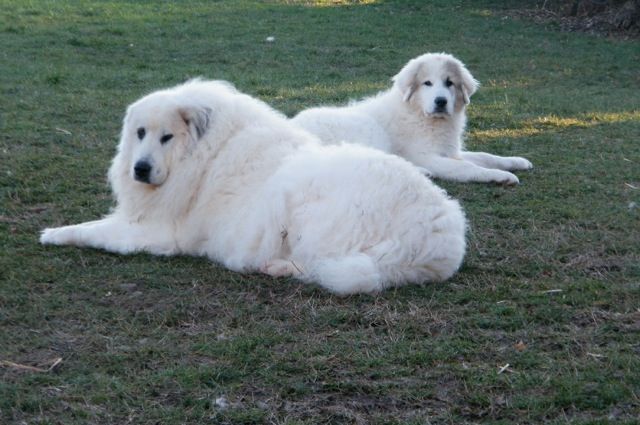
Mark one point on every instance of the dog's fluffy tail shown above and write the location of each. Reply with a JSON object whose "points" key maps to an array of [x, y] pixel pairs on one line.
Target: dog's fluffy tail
{"points": [[352, 274]]}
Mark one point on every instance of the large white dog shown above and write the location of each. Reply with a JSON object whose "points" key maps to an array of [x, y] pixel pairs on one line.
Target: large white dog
{"points": [[203, 169], [421, 118]]}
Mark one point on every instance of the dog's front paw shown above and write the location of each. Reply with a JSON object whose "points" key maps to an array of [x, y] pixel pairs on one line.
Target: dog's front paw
{"points": [[57, 236], [504, 177], [518, 163]]}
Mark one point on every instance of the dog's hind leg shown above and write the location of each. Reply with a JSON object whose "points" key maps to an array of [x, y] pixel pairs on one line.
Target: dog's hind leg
{"points": [[282, 268], [424, 171], [356, 273]]}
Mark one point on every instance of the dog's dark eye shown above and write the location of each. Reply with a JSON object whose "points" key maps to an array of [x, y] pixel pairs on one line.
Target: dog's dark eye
{"points": [[448, 83], [141, 133], [428, 83], [164, 139]]}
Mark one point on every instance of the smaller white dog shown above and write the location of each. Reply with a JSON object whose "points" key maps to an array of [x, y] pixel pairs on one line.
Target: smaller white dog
{"points": [[203, 169], [421, 118]]}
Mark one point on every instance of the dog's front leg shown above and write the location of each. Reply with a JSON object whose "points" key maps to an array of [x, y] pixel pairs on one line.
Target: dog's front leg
{"points": [[113, 234], [463, 171], [488, 160]]}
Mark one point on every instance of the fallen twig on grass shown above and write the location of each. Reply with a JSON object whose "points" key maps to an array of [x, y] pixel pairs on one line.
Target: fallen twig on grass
{"points": [[505, 368], [552, 291], [62, 130], [54, 364]]}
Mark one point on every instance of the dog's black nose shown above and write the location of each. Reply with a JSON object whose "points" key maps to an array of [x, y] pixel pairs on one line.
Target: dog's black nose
{"points": [[441, 102], [142, 171]]}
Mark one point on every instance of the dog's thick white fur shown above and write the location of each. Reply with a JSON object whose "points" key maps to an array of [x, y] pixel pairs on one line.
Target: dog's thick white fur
{"points": [[203, 169], [421, 118]]}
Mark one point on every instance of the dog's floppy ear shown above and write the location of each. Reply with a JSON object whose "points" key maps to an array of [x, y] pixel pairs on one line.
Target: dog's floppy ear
{"points": [[468, 84], [465, 84], [197, 119], [407, 79]]}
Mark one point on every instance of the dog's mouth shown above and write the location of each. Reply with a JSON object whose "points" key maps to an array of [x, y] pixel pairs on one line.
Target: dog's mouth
{"points": [[440, 110], [437, 113], [144, 180], [147, 183]]}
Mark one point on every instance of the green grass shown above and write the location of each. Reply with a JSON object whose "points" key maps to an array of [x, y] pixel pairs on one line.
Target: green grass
{"points": [[149, 340]]}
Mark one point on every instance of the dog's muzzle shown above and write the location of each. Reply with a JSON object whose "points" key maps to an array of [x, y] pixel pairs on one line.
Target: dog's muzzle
{"points": [[142, 171], [441, 105]]}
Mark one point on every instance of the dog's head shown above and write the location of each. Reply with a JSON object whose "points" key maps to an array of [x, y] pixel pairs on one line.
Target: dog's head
{"points": [[437, 82], [159, 130]]}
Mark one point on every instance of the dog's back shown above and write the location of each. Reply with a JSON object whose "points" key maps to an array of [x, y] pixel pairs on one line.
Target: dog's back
{"points": [[334, 125]]}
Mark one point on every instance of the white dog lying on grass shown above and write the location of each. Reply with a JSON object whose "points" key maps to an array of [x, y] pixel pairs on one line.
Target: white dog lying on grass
{"points": [[421, 118], [203, 169]]}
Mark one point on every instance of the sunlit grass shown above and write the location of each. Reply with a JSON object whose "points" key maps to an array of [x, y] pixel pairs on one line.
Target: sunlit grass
{"points": [[553, 123], [586, 120], [329, 3]]}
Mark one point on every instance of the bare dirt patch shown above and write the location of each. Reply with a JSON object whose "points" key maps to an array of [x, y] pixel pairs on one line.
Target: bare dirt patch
{"points": [[607, 18]]}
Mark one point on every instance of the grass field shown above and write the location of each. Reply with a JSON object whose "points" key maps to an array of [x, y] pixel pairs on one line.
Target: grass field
{"points": [[550, 285]]}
